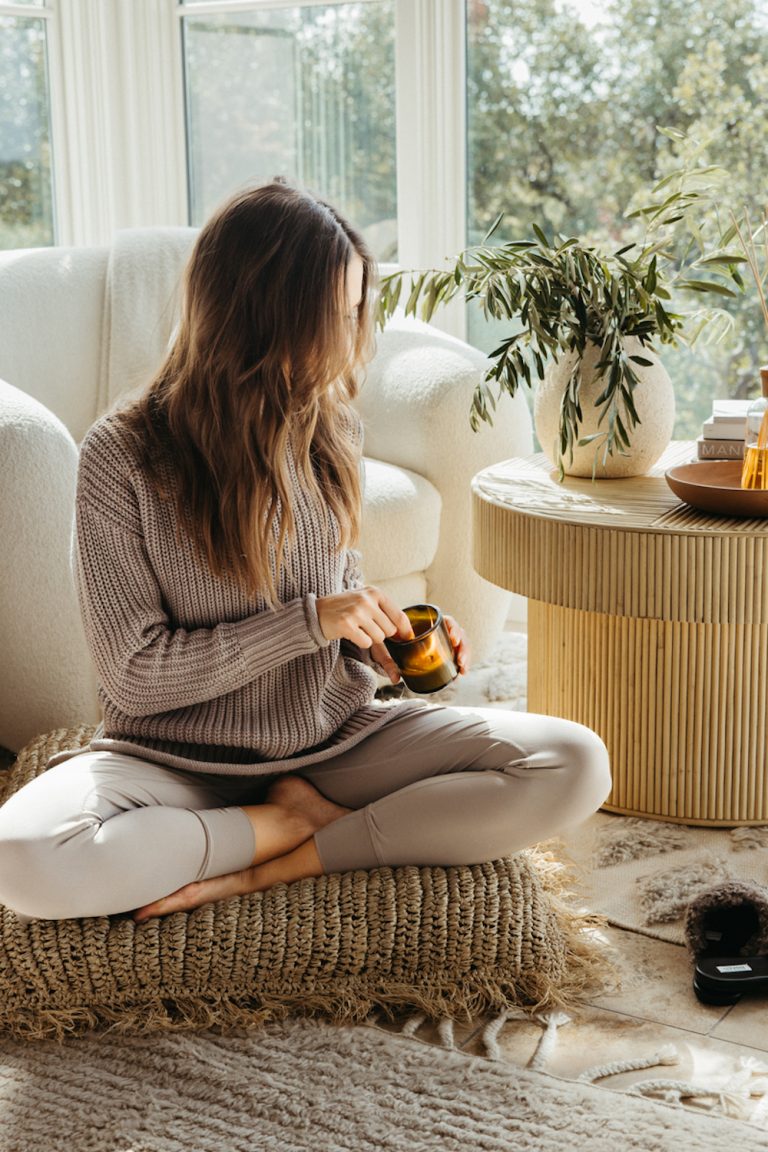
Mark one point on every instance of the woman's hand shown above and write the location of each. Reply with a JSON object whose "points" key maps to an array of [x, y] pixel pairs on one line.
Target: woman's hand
{"points": [[365, 616], [380, 654], [460, 644]]}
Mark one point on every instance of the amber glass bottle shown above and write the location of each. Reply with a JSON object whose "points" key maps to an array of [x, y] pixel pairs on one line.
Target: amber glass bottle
{"points": [[755, 471]]}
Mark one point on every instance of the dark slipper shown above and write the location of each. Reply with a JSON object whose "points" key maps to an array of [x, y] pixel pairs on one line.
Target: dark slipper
{"points": [[726, 930]]}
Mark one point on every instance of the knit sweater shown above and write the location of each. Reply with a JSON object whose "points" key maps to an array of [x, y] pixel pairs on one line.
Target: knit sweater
{"points": [[193, 672]]}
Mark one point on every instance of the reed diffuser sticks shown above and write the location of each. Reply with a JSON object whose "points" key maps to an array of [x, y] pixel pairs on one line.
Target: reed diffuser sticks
{"points": [[754, 473]]}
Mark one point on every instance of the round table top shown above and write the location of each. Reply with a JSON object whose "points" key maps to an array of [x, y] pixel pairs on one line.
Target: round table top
{"points": [[530, 486], [626, 547]]}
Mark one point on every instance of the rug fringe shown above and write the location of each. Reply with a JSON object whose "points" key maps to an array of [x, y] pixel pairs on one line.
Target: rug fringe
{"points": [[666, 1055], [731, 1099], [494, 1026], [412, 1025], [729, 1103], [550, 1022], [446, 1033]]}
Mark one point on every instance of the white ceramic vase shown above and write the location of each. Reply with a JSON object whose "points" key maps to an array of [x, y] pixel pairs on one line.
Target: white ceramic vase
{"points": [[654, 399]]}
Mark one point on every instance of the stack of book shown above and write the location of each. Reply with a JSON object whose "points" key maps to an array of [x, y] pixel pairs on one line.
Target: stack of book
{"points": [[722, 434]]}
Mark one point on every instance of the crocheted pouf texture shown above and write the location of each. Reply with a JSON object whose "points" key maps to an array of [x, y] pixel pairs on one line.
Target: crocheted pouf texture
{"points": [[447, 941]]}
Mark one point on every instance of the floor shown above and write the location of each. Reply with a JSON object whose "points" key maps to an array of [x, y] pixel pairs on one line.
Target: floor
{"points": [[716, 1048]]}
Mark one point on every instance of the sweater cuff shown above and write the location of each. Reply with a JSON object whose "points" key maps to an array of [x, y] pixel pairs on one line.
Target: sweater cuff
{"points": [[313, 621], [272, 638]]}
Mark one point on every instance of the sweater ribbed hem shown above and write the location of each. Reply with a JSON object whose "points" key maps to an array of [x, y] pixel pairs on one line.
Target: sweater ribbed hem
{"points": [[202, 758]]}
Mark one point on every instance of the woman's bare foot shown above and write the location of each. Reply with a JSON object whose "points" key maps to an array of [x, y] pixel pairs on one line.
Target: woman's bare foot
{"points": [[299, 796], [296, 810], [301, 862], [296, 865], [291, 812]]}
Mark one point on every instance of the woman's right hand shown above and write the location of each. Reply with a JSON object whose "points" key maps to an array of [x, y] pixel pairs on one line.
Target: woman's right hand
{"points": [[365, 616]]}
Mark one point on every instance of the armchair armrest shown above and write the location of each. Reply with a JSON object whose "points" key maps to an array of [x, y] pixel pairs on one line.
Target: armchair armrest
{"points": [[47, 677], [415, 407]]}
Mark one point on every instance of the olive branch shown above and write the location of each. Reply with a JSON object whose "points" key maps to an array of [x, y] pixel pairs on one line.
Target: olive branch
{"points": [[560, 294]]}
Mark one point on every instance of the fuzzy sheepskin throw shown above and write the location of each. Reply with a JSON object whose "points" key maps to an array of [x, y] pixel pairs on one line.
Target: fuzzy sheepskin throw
{"points": [[448, 941]]}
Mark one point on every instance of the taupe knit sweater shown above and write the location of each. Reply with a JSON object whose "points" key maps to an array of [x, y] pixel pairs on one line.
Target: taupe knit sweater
{"points": [[193, 672]]}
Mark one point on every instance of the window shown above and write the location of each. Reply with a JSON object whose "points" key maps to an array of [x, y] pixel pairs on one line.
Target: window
{"points": [[564, 102], [303, 91], [421, 119], [26, 195]]}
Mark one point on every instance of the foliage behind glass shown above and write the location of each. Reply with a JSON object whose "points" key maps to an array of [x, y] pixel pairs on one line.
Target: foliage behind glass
{"points": [[564, 103]]}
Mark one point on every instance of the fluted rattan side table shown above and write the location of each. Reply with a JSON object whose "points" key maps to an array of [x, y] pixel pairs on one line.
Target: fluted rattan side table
{"points": [[648, 622]]}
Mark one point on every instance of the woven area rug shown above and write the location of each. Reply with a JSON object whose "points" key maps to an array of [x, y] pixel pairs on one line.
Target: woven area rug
{"points": [[307, 1086]]}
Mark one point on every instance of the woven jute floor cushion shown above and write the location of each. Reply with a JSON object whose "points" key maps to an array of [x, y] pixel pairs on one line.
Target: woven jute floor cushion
{"points": [[448, 941]]}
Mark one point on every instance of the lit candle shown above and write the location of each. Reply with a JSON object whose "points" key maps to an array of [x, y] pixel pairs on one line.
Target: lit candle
{"points": [[426, 662]]}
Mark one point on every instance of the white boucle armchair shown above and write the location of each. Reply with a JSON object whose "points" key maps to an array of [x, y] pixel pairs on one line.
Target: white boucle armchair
{"points": [[80, 326]]}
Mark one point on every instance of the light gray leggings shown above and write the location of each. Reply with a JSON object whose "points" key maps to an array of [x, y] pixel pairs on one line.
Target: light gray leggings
{"points": [[105, 833]]}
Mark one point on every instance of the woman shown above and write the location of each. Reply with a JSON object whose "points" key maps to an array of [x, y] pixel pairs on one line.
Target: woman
{"points": [[242, 743]]}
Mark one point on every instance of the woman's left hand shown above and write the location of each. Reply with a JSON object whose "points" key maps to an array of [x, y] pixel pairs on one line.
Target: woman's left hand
{"points": [[460, 643], [380, 654]]}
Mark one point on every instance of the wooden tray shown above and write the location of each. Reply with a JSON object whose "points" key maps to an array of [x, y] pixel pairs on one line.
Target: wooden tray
{"points": [[715, 486]]}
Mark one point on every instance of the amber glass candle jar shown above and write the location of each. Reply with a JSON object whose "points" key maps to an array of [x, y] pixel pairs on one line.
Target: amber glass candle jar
{"points": [[426, 663]]}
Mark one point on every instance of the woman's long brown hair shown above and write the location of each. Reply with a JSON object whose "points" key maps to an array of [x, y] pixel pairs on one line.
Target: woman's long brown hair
{"points": [[266, 355]]}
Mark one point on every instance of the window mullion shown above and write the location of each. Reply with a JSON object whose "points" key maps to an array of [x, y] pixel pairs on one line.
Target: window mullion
{"points": [[25, 10], [118, 124]]}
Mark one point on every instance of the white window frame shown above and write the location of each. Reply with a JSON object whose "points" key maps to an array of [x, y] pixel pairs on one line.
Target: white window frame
{"points": [[118, 130], [44, 12]]}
